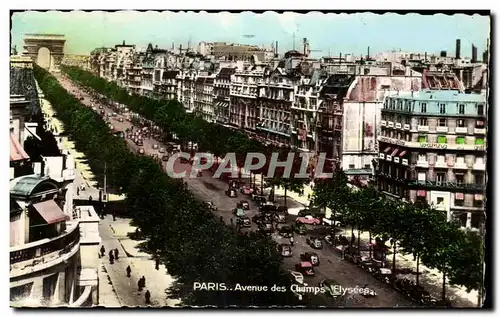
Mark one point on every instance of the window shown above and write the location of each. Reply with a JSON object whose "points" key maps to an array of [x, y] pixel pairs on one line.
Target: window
{"points": [[442, 139], [479, 160], [460, 140], [479, 124], [461, 123], [479, 179], [479, 141], [480, 110], [422, 138], [422, 121], [442, 122], [407, 120], [459, 178], [399, 119], [461, 109], [351, 166], [440, 158], [423, 107], [421, 177], [439, 178], [440, 200], [422, 157], [368, 166], [442, 108], [460, 159]]}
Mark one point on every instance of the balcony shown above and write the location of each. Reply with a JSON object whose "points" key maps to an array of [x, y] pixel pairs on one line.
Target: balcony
{"points": [[396, 159], [381, 155], [423, 128], [388, 157], [460, 165], [480, 131], [404, 162], [423, 164], [461, 130], [441, 164], [39, 255], [438, 184], [407, 127], [441, 129], [398, 125], [479, 166], [383, 123], [390, 124]]}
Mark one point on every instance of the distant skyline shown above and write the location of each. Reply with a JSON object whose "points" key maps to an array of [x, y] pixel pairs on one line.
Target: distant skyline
{"points": [[327, 33]]}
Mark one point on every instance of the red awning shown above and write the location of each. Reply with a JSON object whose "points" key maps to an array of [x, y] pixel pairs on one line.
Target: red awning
{"points": [[394, 152], [387, 149], [479, 123], [50, 211], [402, 154], [478, 197], [17, 152], [421, 193], [459, 196]]}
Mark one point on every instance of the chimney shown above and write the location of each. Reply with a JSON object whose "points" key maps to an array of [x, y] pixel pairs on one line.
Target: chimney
{"points": [[368, 56], [180, 48], [277, 52], [474, 54], [123, 42], [340, 58], [443, 54], [425, 57], [457, 49]]}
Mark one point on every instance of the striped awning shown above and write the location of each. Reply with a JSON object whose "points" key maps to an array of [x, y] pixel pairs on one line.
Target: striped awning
{"points": [[50, 211], [478, 197], [17, 152], [421, 193], [387, 149], [394, 152], [402, 154], [459, 196]]}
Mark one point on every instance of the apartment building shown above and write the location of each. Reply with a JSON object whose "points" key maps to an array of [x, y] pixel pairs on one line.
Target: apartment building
{"points": [[244, 104], [432, 148], [204, 97], [222, 92], [134, 78]]}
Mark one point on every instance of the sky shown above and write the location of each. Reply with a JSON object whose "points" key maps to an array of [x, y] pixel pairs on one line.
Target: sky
{"points": [[330, 33]]}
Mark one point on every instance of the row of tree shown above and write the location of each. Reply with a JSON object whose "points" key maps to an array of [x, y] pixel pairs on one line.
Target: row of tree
{"points": [[194, 245], [171, 116], [413, 228]]}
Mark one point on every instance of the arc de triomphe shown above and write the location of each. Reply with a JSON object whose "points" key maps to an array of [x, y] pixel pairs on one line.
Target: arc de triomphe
{"points": [[47, 50]]}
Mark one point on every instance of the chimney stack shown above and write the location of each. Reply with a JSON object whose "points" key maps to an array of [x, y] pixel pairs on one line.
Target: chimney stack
{"points": [[277, 52], [425, 57], [457, 49], [443, 53], [368, 56], [474, 54]]}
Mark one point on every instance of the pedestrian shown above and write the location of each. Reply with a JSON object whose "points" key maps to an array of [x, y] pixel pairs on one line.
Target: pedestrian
{"points": [[143, 281], [103, 250], [148, 297], [116, 253], [111, 258], [128, 271], [90, 199], [291, 241], [139, 284], [157, 264], [114, 216], [78, 191]]}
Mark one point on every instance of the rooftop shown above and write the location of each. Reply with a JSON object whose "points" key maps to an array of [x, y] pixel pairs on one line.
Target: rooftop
{"points": [[441, 95], [24, 186]]}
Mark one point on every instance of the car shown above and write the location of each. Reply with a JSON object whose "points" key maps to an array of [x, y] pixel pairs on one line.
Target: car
{"points": [[102, 112], [283, 209], [331, 287], [140, 151], [246, 190], [305, 268], [329, 239], [161, 150], [280, 217], [330, 222], [94, 108], [101, 107], [234, 184], [266, 227], [258, 198], [211, 206], [139, 142], [120, 119], [299, 228], [268, 207], [164, 158], [298, 277], [114, 114], [231, 193], [310, 257], [244, 204], [285, 250], [239, 212], [258, 219], [286, 231], [308, 220], [244, 222], [314, 242]]}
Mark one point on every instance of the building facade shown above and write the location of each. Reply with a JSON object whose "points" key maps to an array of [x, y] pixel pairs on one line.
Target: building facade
{"points": [[222, 92], [432, 148]]}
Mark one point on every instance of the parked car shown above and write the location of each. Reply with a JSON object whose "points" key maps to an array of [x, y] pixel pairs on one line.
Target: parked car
{"points": [[140, 151], [120, 119], [258, 219], [246, 190], [239, 212], [286, 231], [282, 209], [139, 142], [101, 107], [299, 228], [268, 207], [244, 204], [164, 158], [211, 206], [231, 193], [259, 198], [331, 287], [309, 211], [310, 257], [244, 222], [266, 227], [305, 268], [285, 250], [309, 220], [314, 242], [155, 146], [161, 150], [329, 239], [280, 217], [234, 184]]}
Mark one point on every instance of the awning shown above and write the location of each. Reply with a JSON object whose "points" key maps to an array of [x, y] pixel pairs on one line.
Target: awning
{"points": [[402, 154], [17, 152], [480, 123], [50, 211], [394, 152], [478, 197], [421, 193], [387, 149], [459, 196]]}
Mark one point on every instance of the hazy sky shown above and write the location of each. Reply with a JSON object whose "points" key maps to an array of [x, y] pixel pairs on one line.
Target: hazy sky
{"points": [[346, 33]]}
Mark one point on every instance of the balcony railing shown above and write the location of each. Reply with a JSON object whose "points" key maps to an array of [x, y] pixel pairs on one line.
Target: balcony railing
{"points": [[445, 185], [40, 251]]}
